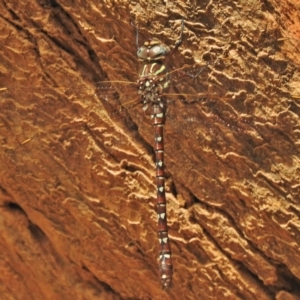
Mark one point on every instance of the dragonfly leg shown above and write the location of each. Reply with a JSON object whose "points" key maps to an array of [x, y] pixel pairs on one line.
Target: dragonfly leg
{"points": [[137, 38], [200, 71], [136, 35], [179, 41]]}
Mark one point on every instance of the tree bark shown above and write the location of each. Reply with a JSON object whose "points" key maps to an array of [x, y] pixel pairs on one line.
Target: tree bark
{"points": [[77, 192]]}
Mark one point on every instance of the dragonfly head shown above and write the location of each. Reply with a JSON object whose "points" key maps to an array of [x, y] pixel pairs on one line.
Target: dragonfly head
{"points": [[152, 50]]}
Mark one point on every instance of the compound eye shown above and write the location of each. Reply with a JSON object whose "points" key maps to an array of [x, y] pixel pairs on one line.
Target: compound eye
{"points": [[142, 53], [157, 50]]}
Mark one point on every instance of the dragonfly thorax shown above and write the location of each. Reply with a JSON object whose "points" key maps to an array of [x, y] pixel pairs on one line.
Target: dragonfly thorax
{"points": [[154, 82], [152, 92]]}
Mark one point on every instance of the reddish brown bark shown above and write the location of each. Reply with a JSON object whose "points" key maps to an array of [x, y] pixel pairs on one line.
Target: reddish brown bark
{"points": [[77, 188]]}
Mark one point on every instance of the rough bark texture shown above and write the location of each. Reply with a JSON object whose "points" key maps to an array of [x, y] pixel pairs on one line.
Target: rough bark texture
{"points": [[77, 193]]}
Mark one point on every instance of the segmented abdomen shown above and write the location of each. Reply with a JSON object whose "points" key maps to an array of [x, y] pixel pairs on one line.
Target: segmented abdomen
{"points": [[165, 249]]}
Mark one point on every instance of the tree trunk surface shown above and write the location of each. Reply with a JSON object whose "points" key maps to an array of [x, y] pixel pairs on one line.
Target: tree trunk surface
{"points": [[77, 171]]}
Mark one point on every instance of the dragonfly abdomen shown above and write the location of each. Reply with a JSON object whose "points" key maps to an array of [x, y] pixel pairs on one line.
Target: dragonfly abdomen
{"points": [[165, 261]]}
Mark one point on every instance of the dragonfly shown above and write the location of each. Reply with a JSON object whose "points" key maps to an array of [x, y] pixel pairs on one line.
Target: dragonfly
{"points": [[154, 82], [157, 88]]}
